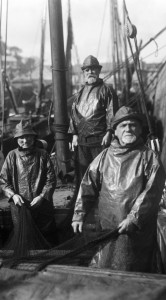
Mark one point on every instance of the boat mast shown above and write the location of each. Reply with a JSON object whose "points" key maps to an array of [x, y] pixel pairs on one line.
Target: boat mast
{"points": [[68, 52], [113, 40], [118, 45], [40, 86], [126, 54], [59, 84]]}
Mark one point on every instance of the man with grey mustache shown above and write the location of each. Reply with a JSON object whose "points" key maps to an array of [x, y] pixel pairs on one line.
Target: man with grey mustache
{"points": [[92, 111]]}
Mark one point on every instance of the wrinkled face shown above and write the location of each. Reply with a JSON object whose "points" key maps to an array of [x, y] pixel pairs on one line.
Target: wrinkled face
{"points": [[128, 132], [91, 74], [26, 141]]}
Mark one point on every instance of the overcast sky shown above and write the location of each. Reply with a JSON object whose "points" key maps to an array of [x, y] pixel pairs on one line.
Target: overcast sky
{"points": [[90, 18]]}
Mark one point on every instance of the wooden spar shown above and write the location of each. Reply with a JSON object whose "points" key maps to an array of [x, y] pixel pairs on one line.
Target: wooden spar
{"points": [[2, 101], [126, 56], [59, 84], [2, 97], [141, 47], [5, 78], [112, 13], [42, 51], [68, 52], [40, 86], [120, 42], [116, 44], [117, 27]]}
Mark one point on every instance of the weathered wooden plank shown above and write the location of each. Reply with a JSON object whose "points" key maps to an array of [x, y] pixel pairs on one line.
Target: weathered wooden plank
{"points": [[88, 271], [72, 283]]}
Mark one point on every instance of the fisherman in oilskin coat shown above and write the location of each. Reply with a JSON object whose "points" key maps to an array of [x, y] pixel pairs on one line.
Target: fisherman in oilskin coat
{"points": [[125, 183], [92, 110], [28, 176]]}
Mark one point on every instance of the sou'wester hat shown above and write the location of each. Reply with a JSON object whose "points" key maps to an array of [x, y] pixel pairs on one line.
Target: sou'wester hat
{"points": [[127, 113], [24, 128], [91, 61]]}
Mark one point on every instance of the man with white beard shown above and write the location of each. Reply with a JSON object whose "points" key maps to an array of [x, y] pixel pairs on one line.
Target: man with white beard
{"points": [[92, 111], [122, 189]]}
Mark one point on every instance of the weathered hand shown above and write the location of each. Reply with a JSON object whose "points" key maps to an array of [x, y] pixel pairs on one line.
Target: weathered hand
{"points": [[36, 201], [77, 226], [126, 226], [106, 139], [74, 142], [18, 200]]}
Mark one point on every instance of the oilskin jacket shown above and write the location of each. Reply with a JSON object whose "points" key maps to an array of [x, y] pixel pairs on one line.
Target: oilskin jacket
{"points": [[30, 173], [124, 183], [92, 110]]}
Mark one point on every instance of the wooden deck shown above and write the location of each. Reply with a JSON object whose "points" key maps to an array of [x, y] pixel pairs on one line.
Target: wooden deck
{"points": [[73, 283], [65, 282]]}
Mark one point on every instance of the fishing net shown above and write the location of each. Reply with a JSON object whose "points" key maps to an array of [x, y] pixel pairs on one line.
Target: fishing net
{"points": [[27, 245]]}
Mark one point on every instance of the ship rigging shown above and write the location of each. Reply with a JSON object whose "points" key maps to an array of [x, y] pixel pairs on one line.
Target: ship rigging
{"points": [[120, 67]]}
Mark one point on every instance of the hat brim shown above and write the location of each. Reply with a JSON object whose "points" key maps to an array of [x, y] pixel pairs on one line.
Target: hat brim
{"points": [[28, 132], [85, 67], [139, 117]]}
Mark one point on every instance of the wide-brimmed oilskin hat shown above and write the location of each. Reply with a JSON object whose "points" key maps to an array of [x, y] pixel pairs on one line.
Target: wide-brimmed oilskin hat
{"points": [[91, 61], [24, 128], [127, 113]]}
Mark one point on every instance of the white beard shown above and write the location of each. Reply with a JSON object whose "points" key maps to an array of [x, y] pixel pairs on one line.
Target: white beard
{"points": [[128, 139], [91, 80]]}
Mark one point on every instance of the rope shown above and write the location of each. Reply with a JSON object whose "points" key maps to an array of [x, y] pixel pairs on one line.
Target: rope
{"points": [[138, 70], [123, 65], [153, 141], [102, 25], [154, 52], [151, 39], [61, 128], [141, 85], [59, 70]]}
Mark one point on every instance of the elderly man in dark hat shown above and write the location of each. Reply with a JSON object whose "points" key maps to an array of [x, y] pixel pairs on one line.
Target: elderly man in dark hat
{"points": [[28, 176], [124, 184], [93, 108]]}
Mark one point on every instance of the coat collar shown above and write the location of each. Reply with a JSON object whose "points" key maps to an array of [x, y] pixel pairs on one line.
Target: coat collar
{"points": [[118, 149]]}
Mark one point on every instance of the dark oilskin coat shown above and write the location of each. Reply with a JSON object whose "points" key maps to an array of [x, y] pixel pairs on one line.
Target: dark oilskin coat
{"points": [[124, 183], [100, 110], [30, 174], [92, 111]]}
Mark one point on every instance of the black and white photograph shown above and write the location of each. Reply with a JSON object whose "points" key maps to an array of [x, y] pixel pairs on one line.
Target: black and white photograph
{"points": [[83, 149]]}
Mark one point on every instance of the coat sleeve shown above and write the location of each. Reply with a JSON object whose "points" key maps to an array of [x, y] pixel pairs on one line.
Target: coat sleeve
{"points": [[147, 204], [50, 182], [89, 188], [72, 122], [72, 126], [112, 105], [6, 177]]}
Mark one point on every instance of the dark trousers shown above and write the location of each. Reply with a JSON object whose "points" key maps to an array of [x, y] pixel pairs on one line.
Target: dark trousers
{"points": [[85, 156], [88, 149]]}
